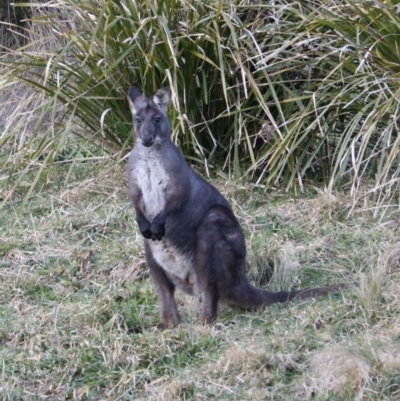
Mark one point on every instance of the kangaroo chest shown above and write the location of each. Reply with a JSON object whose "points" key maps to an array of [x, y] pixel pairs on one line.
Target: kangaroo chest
{"points": [[153, 180]]}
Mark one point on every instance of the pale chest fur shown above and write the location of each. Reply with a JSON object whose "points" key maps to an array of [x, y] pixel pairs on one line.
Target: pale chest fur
{"points": [[150, 176], [152, 179]]}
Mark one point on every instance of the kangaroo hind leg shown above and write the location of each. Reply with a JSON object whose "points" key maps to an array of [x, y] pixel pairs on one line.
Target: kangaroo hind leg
{"points": [[206, 287], [220, 255]]}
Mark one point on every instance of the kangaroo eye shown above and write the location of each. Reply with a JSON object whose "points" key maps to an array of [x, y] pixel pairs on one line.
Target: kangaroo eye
{"points": [[157, 119], [138, 120]]}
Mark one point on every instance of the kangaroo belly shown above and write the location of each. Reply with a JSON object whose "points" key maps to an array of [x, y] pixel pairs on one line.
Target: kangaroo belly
{"points": [[176, 263]]}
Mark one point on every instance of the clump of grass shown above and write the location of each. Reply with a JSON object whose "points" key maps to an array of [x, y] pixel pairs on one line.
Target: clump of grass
{"points": [[371, 291], [272, 263], [340, 370], [354, 371]]}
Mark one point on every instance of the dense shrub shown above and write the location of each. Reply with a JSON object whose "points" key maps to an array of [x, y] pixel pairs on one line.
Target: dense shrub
{"points": [[282, 91]]}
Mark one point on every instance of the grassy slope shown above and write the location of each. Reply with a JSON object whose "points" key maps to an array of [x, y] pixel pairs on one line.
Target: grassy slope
{"points": [[76, 303]]}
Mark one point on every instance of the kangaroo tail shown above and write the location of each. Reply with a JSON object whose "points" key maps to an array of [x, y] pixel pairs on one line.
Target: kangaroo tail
{"points": [[247, 297]]}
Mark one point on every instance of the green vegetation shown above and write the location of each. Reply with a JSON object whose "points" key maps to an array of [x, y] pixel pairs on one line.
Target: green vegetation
{"points": [[300, 95]]}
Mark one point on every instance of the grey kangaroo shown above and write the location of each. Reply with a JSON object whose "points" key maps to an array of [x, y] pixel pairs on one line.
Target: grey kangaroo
{"points": [[192, 239]]}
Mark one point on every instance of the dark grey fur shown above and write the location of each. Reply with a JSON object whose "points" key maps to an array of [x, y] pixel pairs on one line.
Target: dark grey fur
{"points": [[192, 238]]}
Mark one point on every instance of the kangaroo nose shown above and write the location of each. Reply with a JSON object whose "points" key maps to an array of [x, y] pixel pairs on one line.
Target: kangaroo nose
{"points": [[148, 142]]}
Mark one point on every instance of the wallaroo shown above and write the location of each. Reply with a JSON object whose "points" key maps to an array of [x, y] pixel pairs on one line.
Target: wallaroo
{"points": [[192, 239]]}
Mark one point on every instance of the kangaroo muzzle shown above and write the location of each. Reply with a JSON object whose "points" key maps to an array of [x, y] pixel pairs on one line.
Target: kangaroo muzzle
{"points": [[148, 141]]}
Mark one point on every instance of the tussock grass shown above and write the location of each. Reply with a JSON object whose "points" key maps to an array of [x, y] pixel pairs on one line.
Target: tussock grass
{"points": [[340, 370], [77, 306], [283, 93], [352, 371]]}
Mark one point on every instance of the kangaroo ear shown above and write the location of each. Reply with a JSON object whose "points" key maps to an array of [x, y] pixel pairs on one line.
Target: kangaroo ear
{"points": [[133, 94], [162, 98]]}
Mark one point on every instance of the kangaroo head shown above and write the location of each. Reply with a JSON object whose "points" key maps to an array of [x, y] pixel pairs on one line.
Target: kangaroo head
{"points": [[150, 121]]}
